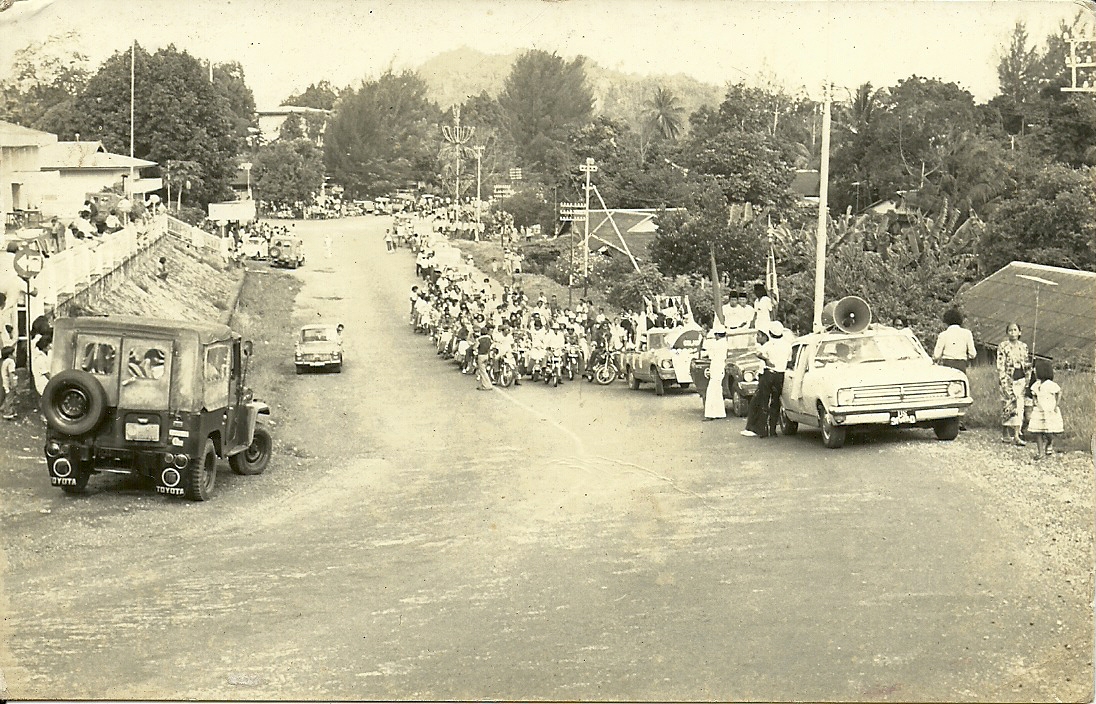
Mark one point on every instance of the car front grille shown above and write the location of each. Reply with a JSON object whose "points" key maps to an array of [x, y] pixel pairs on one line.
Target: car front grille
{"points": [[900, 393]]}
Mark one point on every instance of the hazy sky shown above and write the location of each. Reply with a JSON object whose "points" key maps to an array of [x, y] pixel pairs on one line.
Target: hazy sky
{"points": [[286, 44]]}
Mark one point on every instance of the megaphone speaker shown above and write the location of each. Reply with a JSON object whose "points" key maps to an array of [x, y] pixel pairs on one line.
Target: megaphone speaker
{"points": [[850, 314]]}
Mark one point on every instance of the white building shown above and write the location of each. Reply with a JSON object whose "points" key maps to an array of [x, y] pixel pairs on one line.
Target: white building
{"points": [[26, 193], [86, 167], [270, 121]]}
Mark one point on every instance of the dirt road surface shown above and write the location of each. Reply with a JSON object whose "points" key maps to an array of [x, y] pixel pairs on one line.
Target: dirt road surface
{"points": [[415, 538]]}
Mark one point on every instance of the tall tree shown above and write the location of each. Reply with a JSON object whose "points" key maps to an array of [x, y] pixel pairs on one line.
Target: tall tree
{"points": [[179, 115], [320, 95], [288, 171], [230, 81], [544, 98], [44, 78], [664, 113], [383, 135]]}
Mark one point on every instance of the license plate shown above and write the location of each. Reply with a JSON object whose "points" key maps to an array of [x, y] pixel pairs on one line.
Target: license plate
{"points": [[903, 418], [137, 432]]}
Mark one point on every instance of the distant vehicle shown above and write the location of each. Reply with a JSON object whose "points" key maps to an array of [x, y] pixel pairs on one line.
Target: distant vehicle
{"points": [[319, 346], [869, 376], [159, 399], [286, 251], [662, 358], [255, 247], [742, 370]]}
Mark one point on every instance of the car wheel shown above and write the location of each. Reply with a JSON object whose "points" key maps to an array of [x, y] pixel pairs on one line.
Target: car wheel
{"points": [[833, 436], [633, 382], [337, 368], [256, 457], [947, 429], [202, 475], [300, 369], [740, 405], [787, 425], [73, 402], [660, 385]]}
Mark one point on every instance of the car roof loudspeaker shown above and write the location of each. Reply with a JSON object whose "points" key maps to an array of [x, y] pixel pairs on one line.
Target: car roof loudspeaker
{"points": [[850, 314]]}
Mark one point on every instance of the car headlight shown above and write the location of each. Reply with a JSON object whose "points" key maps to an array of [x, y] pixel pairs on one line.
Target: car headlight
{"points": [[749, 375], [957, 389], [845, 397], [667, 363]]}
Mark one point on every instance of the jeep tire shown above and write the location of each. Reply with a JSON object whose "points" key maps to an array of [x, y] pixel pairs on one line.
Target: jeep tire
{"points": [[256, 457], [74, 402], [740, 405], [202, 475]]}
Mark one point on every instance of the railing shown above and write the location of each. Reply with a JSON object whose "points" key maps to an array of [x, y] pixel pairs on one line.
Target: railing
{"points": [[194, 237], [83, 263]]}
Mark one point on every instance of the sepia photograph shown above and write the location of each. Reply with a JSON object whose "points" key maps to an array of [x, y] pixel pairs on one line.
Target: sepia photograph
{"points": [[548, 350]]}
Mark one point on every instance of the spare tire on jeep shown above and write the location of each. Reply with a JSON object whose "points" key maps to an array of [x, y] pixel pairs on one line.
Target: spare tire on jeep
{"points": [[74, 402]]}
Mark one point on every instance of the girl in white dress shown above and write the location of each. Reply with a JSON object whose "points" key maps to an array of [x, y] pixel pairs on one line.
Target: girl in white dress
{"points": [[1046, 415]]}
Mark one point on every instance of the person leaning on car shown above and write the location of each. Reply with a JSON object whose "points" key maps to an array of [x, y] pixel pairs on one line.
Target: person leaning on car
{"points": [[765, 404], [955, 345]]}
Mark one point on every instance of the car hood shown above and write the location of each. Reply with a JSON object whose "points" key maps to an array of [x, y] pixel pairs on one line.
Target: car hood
{"points": [[885, 373]]}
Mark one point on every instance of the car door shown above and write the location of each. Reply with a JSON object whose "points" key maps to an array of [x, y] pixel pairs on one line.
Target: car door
{"points": [[792, 397]]}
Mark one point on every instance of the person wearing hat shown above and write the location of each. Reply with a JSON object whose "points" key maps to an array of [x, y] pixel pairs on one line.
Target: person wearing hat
{"points": [[765, 406], [714, 406]]}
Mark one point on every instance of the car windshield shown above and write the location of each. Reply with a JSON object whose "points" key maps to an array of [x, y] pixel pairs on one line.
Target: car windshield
{"points": [[737, 342], [891, 347], [317, 335]]}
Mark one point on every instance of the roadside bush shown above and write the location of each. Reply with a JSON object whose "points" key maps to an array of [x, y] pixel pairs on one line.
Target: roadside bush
{"points": [[190, 215]]}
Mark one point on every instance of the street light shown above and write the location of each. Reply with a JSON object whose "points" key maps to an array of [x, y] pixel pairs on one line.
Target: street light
{"points": [[1039, 283], [246, 166], [457, 136]]}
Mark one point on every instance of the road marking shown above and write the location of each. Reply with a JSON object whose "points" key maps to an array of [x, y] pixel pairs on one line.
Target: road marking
{"points": [[534, 412]]}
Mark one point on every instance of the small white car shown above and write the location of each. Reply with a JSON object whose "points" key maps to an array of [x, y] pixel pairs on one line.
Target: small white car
{"points": [[839, 381], [663, 358], [319, 346], [255, 247]]}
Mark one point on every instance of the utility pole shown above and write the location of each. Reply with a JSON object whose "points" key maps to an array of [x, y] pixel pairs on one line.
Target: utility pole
{"points": [[1082, 64], [457, 136], [589, 167], [823, 214]]}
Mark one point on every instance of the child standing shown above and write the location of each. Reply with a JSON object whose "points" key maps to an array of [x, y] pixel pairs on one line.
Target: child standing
{"points": [[1046, 416], [8, 379]]}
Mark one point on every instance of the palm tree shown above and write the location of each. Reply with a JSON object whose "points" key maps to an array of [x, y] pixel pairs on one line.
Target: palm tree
{"points": [[664, 112]]}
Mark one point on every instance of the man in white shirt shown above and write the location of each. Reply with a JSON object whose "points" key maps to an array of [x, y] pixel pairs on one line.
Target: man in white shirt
{"points": [[735, 313], [765, 405], [955, 345]]}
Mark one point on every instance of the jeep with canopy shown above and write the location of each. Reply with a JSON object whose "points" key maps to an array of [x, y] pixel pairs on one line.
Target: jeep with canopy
{"points": [[164, 400]]}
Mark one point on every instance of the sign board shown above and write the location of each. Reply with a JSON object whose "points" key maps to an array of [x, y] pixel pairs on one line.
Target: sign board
{"points": [[28, 263], [515, 174], [237, 210]]}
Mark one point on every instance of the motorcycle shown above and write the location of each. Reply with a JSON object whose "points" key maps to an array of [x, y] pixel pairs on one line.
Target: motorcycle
{"points": [[553, 368], [501, 369], [603, 368], [572, 361]]}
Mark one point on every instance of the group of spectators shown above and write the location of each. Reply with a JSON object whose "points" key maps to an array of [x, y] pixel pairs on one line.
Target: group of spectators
{"points": [[470, 321]]}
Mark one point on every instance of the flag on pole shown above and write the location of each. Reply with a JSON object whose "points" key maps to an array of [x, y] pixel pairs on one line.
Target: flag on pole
{"points": [[717, 293]]}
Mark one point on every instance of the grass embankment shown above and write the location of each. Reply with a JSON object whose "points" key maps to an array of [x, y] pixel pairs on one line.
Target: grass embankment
{"points": [[1078, 405]]}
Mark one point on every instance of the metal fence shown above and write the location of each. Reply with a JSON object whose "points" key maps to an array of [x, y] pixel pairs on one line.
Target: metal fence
{"points": [[195, 237]]}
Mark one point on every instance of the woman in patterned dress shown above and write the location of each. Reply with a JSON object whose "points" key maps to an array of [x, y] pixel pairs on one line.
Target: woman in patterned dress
{"points": [[1012, 370]]}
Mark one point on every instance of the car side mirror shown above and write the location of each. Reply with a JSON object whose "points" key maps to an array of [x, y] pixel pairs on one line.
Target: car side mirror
{"points": [[247, 348]]}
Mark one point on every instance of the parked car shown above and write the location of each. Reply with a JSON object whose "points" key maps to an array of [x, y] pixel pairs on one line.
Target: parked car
{"points": [[841, 382], [319, 346], [255, 247], [159, 399], [742, 370], [286, 251], [662, 357]]}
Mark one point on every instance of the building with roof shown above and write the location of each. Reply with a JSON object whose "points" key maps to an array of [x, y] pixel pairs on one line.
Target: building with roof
{"points": [[637, 226], [271, 120], [22, 183], [87, 167], [1066, 329]]}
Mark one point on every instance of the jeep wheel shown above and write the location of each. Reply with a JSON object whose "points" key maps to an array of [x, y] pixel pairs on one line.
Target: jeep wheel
{"points": [[256, 457], [660, 385], [787, 425], [833, 436], [633, 382], [337, 368], [740, 405], [73, 402], [947, 429], [300, 369], [202, 475]]}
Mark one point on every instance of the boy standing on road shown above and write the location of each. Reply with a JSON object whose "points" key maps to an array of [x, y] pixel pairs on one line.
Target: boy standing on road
{"points": [[8, 379]]}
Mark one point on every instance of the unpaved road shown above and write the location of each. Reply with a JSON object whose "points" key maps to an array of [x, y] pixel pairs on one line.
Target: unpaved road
{"points": [[417, 539]]}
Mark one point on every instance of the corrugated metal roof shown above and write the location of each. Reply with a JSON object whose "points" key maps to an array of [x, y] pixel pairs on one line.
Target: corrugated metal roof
{"points": [[13, 135], [1067, 309]]}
